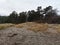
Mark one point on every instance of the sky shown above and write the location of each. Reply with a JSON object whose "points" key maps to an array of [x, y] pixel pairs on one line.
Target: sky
{"points": [[7, 6]]}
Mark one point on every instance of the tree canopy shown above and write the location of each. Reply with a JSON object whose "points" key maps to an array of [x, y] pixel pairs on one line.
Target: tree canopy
{"points": [[46, 15]]}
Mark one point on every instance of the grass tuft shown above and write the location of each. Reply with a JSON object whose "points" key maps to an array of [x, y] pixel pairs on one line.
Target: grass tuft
{"points": [[3, 26]]}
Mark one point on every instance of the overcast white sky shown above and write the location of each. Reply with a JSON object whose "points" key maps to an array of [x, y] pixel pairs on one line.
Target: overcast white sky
{"points": [[7, 6]]}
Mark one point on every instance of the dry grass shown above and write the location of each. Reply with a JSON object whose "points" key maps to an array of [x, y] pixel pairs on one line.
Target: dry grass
{"points": [[20, 25], [55, 27], [39, 27], [3, 26], [33, 26]]}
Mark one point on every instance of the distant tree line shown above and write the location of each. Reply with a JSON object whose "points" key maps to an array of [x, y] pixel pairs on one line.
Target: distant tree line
{"points": [[46, 15]]}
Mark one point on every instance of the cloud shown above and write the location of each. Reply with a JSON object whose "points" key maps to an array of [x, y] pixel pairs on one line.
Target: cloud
{"points": [[1, 1], [7, 6]]}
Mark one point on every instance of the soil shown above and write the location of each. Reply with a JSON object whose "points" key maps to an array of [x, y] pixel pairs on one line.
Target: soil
{"points": [[20, 36]]}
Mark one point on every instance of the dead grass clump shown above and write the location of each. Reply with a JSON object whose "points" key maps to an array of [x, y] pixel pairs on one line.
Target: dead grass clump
{"points": [[33, 26], [3, 26], [57, 28], [38, 27], [20, 25]]}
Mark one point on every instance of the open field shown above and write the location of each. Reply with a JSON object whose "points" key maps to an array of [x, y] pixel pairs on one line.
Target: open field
{"points": [[30, 33]]}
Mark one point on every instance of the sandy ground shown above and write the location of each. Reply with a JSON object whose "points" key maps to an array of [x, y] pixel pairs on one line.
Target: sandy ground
{"points": [[19, 36]]}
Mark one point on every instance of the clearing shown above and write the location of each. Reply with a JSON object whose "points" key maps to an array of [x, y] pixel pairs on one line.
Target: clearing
{"points": [[26, 34]]}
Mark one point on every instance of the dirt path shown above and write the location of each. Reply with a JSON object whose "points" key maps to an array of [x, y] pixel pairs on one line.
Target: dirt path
{"points": [[18, 36]]}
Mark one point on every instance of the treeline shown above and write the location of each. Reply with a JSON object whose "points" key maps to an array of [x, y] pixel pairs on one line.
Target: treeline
{"points": [[46, 15]]}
